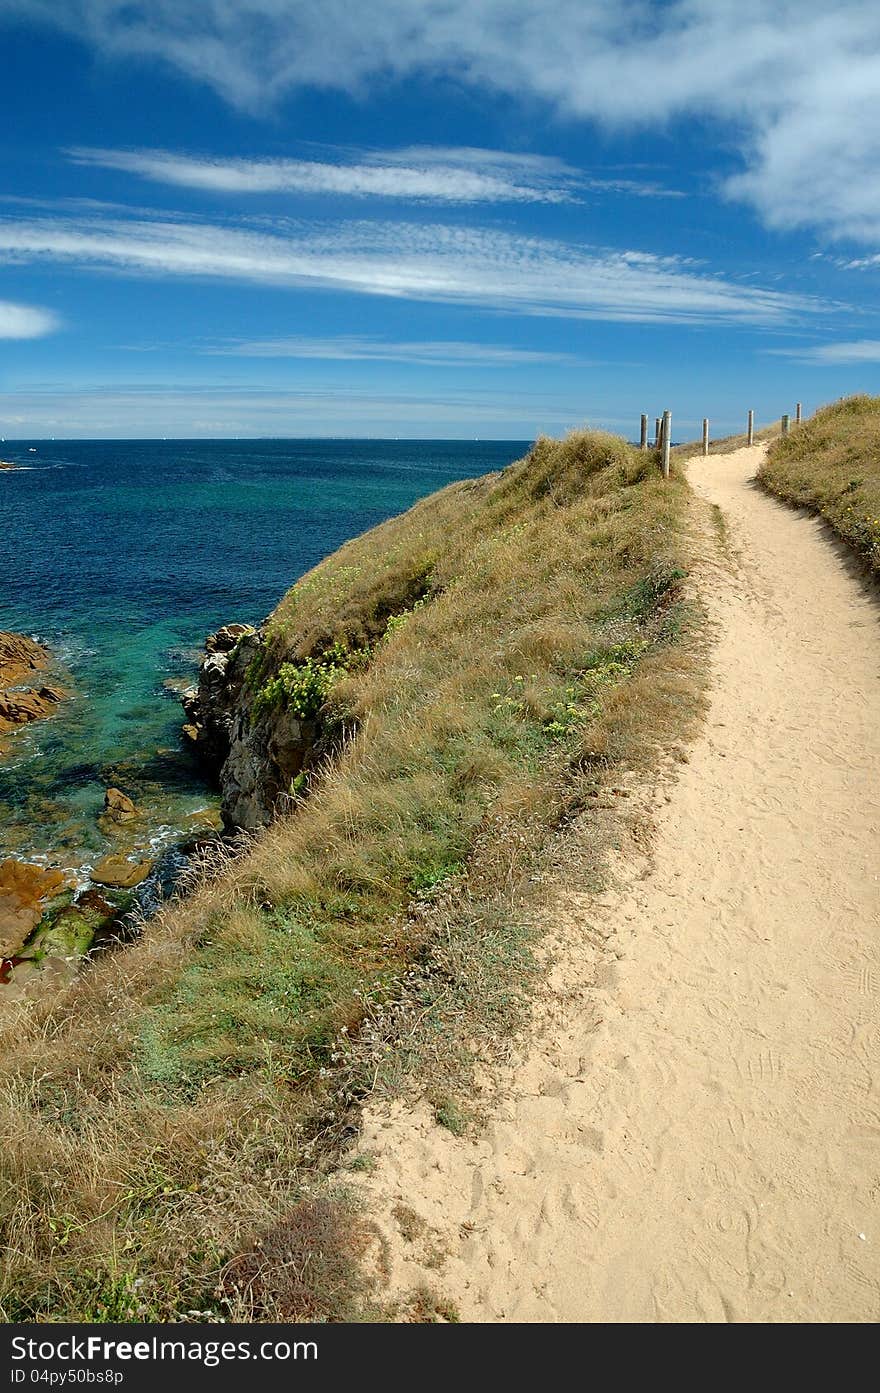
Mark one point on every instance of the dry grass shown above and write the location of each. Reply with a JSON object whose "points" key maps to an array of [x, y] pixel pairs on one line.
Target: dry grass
{"points": [[831, 464], [164, 1120]]}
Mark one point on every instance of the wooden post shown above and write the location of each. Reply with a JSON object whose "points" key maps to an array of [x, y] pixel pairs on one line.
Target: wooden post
{"points": [[666, 432], [643, 438], [705, 435], [797, 414], [785, 425], [751, 432], [657, 432]]}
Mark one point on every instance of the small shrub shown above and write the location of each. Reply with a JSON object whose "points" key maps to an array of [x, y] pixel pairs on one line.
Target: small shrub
{"points": [[302, 688], [307, 1267]]}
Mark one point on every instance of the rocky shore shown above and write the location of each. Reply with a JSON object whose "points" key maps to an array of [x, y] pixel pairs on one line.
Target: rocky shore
{"points": [[21, 701], [49, 923], [47, 927], [50, 917]]}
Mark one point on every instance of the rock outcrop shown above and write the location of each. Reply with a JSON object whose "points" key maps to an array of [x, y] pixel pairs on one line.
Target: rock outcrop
{"points": [[120, 818], [44, 931], [25, 893], [118, 873], [118, 807], [20, 659], [255, 757]]}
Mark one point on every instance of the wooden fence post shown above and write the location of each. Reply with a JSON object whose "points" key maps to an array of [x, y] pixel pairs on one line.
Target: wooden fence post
{"points": [[785, 425], [657, 432], [705, 435], [643, 438], [751, 431], [666, 432], [797, 414]]}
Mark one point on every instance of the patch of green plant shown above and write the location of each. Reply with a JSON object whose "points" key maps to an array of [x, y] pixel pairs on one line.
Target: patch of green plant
{"points": [[449, 1114], [397, 621], [276, 991], [302, 688], [428, 877], [642, 598]]}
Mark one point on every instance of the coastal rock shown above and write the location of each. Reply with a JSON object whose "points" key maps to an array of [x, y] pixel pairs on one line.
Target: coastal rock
{"points": [[67, 935], [254, 759], [226, 638], [25, 891], [264, 760], [118, 873], [118, 807], [20, 708], [20, 658], [30, 979], [93, 903], [210, 707]]}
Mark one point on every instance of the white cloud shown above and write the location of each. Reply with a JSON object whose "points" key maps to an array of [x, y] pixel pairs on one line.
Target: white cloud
{"points": [[25, 321], [797, 80], [431, 262], [449, 176], [356, 348], [419, 173], [835, 354]]}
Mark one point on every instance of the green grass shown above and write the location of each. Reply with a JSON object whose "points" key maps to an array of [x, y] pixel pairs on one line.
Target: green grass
{"points": [[831, 464], [519, 637]]}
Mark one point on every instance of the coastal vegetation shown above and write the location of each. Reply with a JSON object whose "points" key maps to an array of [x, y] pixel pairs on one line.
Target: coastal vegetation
{"points": [[831, 464], [481, 668]]}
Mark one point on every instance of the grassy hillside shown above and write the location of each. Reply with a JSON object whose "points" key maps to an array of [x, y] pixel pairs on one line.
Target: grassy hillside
{"points": [[484, 662], [832, 464]]}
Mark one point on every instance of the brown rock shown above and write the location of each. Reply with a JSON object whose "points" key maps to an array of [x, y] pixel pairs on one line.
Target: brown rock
{"points": [[24, 891], [177, 685], [20, 658], [118, 806], [120, 874]]}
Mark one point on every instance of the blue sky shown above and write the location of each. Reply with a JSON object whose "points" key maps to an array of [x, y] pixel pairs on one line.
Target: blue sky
{"points": [[470, 218]]}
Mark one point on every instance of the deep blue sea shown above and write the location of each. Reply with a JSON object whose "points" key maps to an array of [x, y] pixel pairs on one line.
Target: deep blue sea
{"points": [[123, 555]]}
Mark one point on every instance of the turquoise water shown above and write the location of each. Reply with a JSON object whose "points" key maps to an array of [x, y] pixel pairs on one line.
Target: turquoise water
{"points": [[123, 555]]}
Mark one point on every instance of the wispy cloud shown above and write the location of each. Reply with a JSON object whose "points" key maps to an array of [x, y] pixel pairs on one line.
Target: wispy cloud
{"points": [[436, 176], [829, 355], [26, 321], [131, 410], [423, 173], [355, 348], [432, 262], [795, 81], [860, 263]]}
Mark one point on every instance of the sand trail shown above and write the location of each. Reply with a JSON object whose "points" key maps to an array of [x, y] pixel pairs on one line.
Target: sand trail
{"points": [[695, 1134]]}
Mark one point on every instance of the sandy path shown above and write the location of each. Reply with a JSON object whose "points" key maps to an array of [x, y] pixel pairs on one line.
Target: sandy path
{"points": [[711, 1149]]}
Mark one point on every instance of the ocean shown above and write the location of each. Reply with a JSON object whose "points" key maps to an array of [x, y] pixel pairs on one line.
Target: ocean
{"points": [[123, 555]]}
